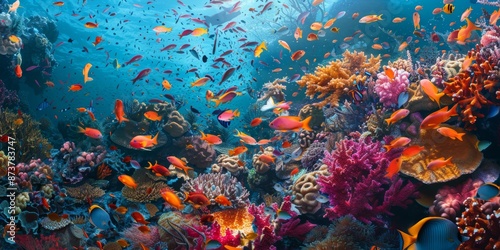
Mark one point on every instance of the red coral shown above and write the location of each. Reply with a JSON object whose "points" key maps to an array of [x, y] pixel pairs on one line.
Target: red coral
{"points": [[482, 230], [28, 242], [293, 228]]}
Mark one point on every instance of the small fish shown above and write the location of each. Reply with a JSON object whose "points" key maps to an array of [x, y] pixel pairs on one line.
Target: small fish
{"points": [[99, 217], [488, 191], [259, 49], [397, 116], [127, 181], [403, 98], [449, 8], [90, 132], [178, 163], [223, 200], [432, 233], [439, 163], [210, 139], [171, 198], [144, 141], [287, 123], [412, 151], [394, 167], [397, 143], [370, 18], [450, 133], [139, 218], [43, 105]]}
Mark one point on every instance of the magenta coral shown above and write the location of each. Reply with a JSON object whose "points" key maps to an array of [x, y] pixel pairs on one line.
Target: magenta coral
{"points": [[357, 184], [7, 97], [29, 242], [136, 236], [389, 89], [293, 228], [449, 199]]}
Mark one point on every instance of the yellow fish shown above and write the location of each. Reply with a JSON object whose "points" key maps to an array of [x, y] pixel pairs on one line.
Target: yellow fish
{"points": [[85, 72], [259, 49]]}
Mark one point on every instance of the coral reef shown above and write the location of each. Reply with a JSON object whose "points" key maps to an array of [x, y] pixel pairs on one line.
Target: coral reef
{"points": [[260, 166], [465, 156], [357, 184], [333, 81], [148, 187], [449, 199], [8, 98], [29, 140], [52, 225], [215, 184], [123, 134], [310, 158], [389, 89], [230, 163], [84, 193], [482, 230], [176, 125], [274, 89], [306, 189], [346, 233], [200, 155], [316, 114], [137, 237], [235, 219], [445, 68]]}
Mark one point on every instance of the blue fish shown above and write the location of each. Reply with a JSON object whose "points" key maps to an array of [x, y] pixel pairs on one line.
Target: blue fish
{"points": [[224, 124], [90, 108], [402, 98], [488, 191], [493, 111], [282, 215], [43, 105], [294, 78], [194, 53], [213, 244], [431, 233], [99, 217], [135, 164]]}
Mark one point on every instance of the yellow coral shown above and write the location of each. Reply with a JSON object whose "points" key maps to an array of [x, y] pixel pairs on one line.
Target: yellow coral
{"points": [[22, 200], [4, 164], [331, 82], [465, 156], [238, 219], [48, 191]]}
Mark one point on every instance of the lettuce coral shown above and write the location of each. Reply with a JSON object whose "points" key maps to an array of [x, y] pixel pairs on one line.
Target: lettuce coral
{"points": [[357, 184]]}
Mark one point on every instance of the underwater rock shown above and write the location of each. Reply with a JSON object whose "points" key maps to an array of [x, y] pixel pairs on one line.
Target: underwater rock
{"points": [[176, 125], [200, 154]]}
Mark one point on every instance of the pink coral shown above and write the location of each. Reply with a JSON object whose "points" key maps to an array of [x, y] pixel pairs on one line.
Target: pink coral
{"points": [[449, 199], [388, 90], [136, 236], [357, 184]]}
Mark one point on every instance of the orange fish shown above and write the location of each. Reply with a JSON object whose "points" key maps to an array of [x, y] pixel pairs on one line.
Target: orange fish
{"points": [[91, 115], [451, 133], [75, 87], [494, 17], [394, 167], [171, 198], [316, 26], [144, 141], [371, 18], [144, 229], [85, 73], [18, 71], [465, 32], [223, 200], [209, 95], [397, 143], [434, 119], [389, 72], [49, 84], [178, 163], [90, 132], [412, 151], [256, 122], [197, 199], [286, 144], [211, 139], [121, 210], [166, 84], [396, 116], [266, 158], [119, 113], [297, 55], [81, 110], [123, 243], [294, 171], [91, 25], [297, 34], [45, 203], [127, 181], [312, 37], [139, 218], [246, 138], [329, 23], [237, 150], [439, 163], [416, 20], [377, 46], [158, 169], [355, 15], [152, 115], [98, 39], [403, 46], [287, 123], [431, 90]]}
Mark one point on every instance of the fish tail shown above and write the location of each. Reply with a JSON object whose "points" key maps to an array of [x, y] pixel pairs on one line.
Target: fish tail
{"points": [[203, 135], [305, 123], [408, 240], [81, 130], [387, 148], [150, 165], [460, 135], [217, 102], [448, 161], [379, 17], [269, 105], [453, 110], [231, 152], [155, 139], [186, 169], [236, 113], [438, 97]]}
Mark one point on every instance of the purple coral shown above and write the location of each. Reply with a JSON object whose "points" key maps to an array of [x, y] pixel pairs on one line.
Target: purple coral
{"points": [[201, 155], [7, 97], [313, 154], [449, 199], [357, 185], [75, 163], [388, 90]]}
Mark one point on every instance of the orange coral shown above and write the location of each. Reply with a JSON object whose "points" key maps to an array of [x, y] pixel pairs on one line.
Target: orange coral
{"points": [[238, 219], [338, 77], [465, 156], [103, 171]]}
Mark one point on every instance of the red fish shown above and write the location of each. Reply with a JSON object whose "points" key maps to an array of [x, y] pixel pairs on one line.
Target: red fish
{"points": [[158, 169], [141, 75], [18, 71], [134, 59]]}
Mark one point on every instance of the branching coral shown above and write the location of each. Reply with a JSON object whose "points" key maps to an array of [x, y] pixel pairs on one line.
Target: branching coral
{"points": [[477, 89], [274, 89], [215, 184], [482, 230], [331, 82], [357, 184], [30, 142]]}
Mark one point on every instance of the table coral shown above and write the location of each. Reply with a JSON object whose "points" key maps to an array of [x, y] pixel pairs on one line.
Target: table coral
{"points": [[389, 89], [357, 184], [465, 156], [333, 81], [482, 230], [144, 181]]}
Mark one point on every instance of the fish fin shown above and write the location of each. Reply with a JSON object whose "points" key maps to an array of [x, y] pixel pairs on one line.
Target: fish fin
{"points": [[380, 17], [217, 102], [150, 165], [236, 113], [155, 139], [388, 120], [387, 148], [186, 169], [448, 161], [438, 97], [408, 240], [269, 105], [187, 196], [81, 130], [89, 79], [305, 123], [460, 135], [125, 119], [453, 110], [231, 152], [203, 135]]}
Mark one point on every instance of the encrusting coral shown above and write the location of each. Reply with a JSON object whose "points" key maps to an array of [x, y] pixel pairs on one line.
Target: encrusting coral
{"points": [[333, 81], [176, 124]]}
